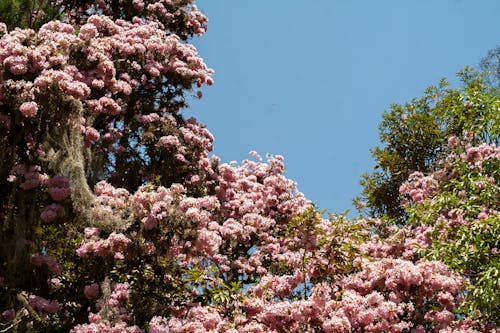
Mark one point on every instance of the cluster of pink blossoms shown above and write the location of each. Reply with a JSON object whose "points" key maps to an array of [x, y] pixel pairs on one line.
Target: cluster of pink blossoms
{"points": [[178, 15], [373, 300], [35, 63], [32, 176], [477, 155], [115, 244], [43, 306], [52, 212], [186, 144], [253, 205], [110, 308], [419, 187], [58, 188], [51, 263]]}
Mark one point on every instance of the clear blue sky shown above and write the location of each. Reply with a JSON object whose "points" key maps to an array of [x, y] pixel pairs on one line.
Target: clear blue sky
{"points": [[310, 79]]}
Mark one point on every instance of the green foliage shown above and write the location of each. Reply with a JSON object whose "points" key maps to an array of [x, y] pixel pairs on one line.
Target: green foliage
{"points": [[27, 13], [414, 138]]}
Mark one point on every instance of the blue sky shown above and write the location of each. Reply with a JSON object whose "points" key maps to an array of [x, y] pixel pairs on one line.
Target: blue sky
{"points": [[310, 79]]}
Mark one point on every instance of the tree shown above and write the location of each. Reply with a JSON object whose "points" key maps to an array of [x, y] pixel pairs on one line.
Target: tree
{"points": [[415, 135], [115, 217], [27, 13], [490, 64], [77, 106]]}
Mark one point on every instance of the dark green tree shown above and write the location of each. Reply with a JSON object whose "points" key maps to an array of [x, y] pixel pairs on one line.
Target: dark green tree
{"points": [[27, 13]]}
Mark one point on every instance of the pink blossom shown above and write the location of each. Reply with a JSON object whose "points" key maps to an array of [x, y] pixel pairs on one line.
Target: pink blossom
{"points": [[17, 64], [138, 4], [59, 187], [91, 291], [29, 109], [52, 264], [32, 178], [43, 305], [55, 283], [150, 248], [91, 232], [51, 212], [483, 215], [452, 141], [87, 31], [118, 242], [9, 314], [169, 141], [91, 135]]}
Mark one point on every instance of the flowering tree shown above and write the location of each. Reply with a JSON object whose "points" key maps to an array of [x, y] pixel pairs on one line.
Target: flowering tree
{"points": [[115, 218], [414, 138], [459, 206]]}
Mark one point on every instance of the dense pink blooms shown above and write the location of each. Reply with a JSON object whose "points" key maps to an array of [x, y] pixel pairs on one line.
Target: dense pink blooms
{"points": [[91, 136], [32, 176], [419, 187], [91, 291], [91, 232], [29, 109], [9, 314], [115, 244], [452, 141], [113, 308], [51, 212], [475, 156], [59, 187], [52, 264], [198, 319], [168, 141], [43, 305]]}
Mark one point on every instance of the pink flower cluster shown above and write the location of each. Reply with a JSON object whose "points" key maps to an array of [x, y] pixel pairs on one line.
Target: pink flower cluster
{"points": [[187, 143], [29, 109], [42, 305], [197, 319], [477, 155], [51, 212], [98, 325], [153, 206], [52, 264], [110, 201], [398, 242], [385, 296], [91, 291], [59, 187], [35, 63], [91, 135], [112, 316], [419, 187], [180, 16], [116, 244], [32, 176], [169, 141], [9, 314]]}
